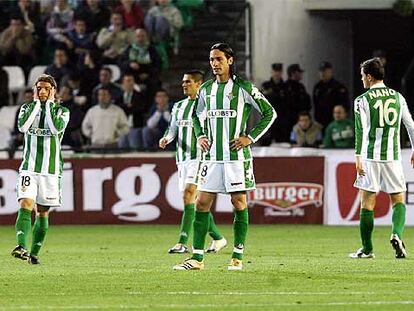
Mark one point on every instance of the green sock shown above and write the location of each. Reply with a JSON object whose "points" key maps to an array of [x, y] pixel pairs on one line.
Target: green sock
{"points": [[23, 226], [201, 224], [398, 219], [186, 223], [39, 232], [366, 226], [240, 224], [213, 231]]}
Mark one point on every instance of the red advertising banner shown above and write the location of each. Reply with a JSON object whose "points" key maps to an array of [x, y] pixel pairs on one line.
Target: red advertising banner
{"points": [[144, 190]]}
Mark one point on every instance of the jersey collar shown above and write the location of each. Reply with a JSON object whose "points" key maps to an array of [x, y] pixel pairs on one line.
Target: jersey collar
{"points": [[378, 85]]}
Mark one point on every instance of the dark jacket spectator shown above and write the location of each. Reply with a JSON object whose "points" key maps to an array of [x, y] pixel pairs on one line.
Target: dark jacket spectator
{"points": [[60, 67], [73, 134], [30, 11], [4, 88], [80, 40], [105, 76], [327, 93], [95, 13], [17, 137], [340, 132], [16, 44], [296, 96], [89, 71], [60, 23], [81, 96], [306, 133], [275, 91], [132, 14]]}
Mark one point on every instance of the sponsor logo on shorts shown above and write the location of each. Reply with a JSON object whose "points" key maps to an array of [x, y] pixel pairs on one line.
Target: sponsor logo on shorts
{"points": [[185, 123], [236, 183], [51, 199], [286, 198], [222, 113], [40, 132]]}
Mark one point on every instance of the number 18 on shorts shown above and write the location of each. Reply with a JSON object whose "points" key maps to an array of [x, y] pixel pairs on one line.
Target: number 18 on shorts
{"points": [[43, 189]]}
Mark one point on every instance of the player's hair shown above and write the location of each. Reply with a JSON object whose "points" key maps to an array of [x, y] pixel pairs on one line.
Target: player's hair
{"points": [[46, 78], [304, 114], [197, 74], [374, 67], [228, 52]]}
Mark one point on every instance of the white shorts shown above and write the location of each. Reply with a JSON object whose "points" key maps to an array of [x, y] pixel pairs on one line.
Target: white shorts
{"points": [[225, 177], [187, 173], [382, 176], [45, 190]]}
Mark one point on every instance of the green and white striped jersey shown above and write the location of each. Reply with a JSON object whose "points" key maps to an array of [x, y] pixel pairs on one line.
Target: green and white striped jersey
{"points": [[43, 126], [181, 126], [226, 107], [378, 115]]}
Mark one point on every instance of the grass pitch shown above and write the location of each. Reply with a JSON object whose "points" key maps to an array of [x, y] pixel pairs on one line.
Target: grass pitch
{"points": [[128, 268]]}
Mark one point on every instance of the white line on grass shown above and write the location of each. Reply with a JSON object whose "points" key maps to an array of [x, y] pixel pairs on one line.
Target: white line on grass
{"points": [[192, 305], [252, 293]]}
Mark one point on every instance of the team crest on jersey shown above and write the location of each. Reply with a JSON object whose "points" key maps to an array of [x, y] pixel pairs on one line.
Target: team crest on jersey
{"points": [[286, 196], [230, 96]]}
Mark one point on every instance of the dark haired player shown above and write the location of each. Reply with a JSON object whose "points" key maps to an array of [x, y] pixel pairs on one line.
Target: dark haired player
{"points": [[43, 122], [378, 115], [226, 167], [188, 161]]}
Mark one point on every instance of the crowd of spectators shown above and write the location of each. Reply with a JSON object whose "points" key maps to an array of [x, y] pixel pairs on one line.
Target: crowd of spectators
{"points": [[305, 121], [79, 41]]}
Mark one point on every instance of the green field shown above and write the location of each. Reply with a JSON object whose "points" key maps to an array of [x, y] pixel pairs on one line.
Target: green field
{"points": [[127, 267]]}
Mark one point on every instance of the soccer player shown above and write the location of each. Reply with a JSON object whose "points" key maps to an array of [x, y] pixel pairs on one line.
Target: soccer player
{"points": [[378, 115], [43, 122], [226, 165], [188, 158]]}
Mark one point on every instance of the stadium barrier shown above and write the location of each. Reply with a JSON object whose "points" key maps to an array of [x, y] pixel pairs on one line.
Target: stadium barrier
{"points": [[144, 190], [309, 186]]}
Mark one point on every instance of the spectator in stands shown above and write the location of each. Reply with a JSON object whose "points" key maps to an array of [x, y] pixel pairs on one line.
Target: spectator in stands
{"points": [[4, 87], [340, 132], [154, 21], [132, 14], [30, 11], [105, 76], [306, 133], [275, 92], [114, 39], [60, 23], [297, 98], [105, 123], [80, 41], [89, 71], [158, 121], [141, 58], [136, 108], [60, 67], [16, 44], [95, 13], [17, 137], [80, 95], [327, 93], [73, 134]]}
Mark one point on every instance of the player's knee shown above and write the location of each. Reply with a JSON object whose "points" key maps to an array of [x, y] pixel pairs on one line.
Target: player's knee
{"points": [[203, 205], [26, 204], [188, 196], [239, 203]]}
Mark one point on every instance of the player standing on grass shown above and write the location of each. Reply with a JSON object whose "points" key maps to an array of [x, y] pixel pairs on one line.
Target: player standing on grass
{"points": [[43, 123], [378, 116], [226, 165], [188, 159]]}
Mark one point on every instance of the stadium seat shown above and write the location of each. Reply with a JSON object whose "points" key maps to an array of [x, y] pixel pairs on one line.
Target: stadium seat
{"points": [[34, 73], [116, 72], [17, 81]]}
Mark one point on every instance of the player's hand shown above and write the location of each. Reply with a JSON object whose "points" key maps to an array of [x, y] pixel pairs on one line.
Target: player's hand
{"points": [[359, 168], [204, 143], [52, 94], [163, 143], [240, 143], [412, 160]]}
